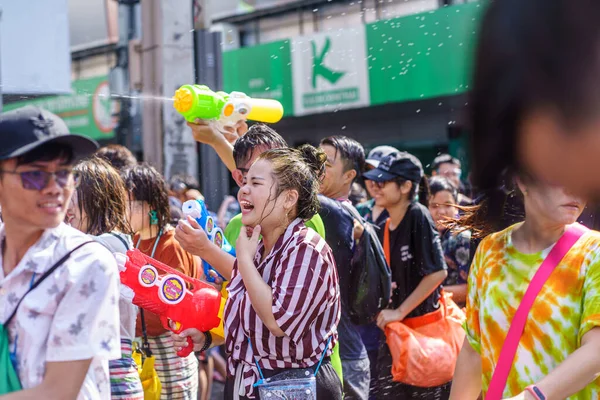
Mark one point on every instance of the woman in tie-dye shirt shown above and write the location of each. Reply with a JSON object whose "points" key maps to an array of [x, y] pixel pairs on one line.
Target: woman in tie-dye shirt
{"points": [[558, 351]]}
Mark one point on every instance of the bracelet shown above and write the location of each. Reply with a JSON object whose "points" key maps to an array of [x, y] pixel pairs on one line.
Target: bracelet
{"points": [[536, 392], [208, 342]]}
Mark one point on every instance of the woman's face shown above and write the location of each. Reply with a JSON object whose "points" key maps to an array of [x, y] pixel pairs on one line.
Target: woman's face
{"points": [[138, 215], [441, 207], [388, 194], [77, 217], [551, 205], [257, 197], [568, 157]]}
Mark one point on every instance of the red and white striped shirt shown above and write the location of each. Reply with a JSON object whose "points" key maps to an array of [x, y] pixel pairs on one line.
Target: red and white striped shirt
{"points": [[306, 304]]}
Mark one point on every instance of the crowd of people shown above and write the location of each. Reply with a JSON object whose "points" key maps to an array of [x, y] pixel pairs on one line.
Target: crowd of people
{"points": [[355, 268]]}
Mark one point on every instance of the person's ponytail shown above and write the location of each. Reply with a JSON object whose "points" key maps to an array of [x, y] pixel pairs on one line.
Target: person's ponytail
{"points": [[423, 191], [315, 158]]}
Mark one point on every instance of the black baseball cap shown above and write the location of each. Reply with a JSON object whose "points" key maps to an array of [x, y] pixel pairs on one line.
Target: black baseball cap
{"points": [[26, 128], [378, 153], [397, 165]]}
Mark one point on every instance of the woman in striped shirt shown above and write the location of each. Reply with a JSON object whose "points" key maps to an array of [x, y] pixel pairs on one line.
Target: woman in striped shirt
{"points": [[283, 306]]}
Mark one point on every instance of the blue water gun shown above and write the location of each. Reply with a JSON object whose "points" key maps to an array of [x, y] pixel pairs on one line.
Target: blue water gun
{"points": [[197, 210]]}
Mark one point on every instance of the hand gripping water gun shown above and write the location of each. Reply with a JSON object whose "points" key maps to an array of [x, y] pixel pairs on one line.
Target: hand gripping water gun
{"points": [[197, 210], [181, 302], [198, 101]]}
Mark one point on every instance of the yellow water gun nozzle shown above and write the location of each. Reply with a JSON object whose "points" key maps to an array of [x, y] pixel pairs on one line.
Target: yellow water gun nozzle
{"points": [[183, 100]]}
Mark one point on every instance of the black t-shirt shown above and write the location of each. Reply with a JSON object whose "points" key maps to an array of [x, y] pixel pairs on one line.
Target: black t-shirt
{"points": [[416, 252], [339, 234]]}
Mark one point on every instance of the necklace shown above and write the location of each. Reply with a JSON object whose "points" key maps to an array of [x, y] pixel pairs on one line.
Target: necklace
{"points": [[137, 245]]}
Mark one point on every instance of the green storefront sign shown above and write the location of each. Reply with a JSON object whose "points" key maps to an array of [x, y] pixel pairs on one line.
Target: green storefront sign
{"points": [[88, 111], [414, 57], [261, 71], [422, 56]]}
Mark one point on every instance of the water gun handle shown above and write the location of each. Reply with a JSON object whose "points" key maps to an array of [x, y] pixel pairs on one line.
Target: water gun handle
{"points": [[176, 329], [186, 351], [207, 275]]}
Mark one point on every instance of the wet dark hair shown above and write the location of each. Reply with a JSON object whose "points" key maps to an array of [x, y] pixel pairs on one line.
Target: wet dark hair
{"points": [[439, 184], [102, 195], [301, 170], [118, 156], [444, 159], [181, 182], [145, 183], [552, 49], [357, 194], [48, 152], [352, 152], [258, 136]]}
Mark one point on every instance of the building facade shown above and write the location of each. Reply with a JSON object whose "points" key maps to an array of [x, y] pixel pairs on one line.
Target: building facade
{"points": [[381, 71]]}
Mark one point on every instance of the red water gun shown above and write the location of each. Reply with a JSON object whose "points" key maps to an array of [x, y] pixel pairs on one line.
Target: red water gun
{"points": [[181, 302]]}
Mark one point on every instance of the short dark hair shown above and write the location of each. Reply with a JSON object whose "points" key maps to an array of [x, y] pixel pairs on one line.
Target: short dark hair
{"points": [[357, 194], [102, 195], [444, 159], [118, 156], [352, 152], [441, 183], [48, 152], [258, 136], [183, 182], [145, 183]]}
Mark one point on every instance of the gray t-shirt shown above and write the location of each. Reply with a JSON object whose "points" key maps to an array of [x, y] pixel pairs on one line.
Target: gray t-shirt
{"points": [[116, 242]]}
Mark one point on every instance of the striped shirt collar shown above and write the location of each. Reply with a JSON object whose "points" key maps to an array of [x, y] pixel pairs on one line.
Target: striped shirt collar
{"points": [[281, 243]]}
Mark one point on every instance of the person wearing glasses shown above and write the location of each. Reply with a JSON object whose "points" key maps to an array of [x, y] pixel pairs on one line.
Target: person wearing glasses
{"points": [[450, 167], [415, 257], [57, 287]]}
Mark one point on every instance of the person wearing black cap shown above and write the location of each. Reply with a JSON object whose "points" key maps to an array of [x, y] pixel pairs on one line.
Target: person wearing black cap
{"points": [[415, 257], [58, 310], [369, 210]]}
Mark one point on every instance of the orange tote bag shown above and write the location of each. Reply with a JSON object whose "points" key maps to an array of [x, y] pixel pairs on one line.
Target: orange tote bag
{"points": [[425, 349]]}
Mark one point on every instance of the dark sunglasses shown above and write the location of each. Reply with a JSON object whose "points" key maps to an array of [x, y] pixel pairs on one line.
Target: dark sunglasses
{"points": [[381, 185], [39, 179]]}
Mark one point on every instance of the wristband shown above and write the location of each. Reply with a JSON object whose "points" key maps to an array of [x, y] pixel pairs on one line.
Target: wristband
{"points": [[536, 392], [208, 342]]}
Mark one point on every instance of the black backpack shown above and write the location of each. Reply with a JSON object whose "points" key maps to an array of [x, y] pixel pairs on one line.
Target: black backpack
{"points": [[370, 276]]}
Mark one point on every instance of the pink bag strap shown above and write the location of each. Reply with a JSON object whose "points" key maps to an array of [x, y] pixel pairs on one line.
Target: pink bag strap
{"points": [[509, 349]]}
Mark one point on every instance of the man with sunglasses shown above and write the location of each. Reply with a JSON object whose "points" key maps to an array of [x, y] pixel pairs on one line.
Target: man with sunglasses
{"points": [[62, 326]]}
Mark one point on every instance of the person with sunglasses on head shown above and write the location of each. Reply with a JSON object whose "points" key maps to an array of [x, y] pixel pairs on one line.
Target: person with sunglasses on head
{"points": [[58, 288], [99, 208], [149, 218], [415, 257]]}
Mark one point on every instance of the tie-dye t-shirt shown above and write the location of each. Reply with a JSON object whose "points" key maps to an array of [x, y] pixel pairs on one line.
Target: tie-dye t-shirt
{"points": [[567, 307]]}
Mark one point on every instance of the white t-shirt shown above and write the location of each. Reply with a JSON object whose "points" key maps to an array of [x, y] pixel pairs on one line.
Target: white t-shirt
{"points": [[72, 315]]}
